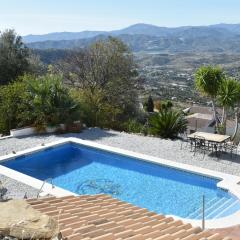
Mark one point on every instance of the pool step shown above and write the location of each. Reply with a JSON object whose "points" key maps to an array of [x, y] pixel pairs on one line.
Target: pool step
{"points": [[218, 208], [209, 206], [199, 210], [235, 204]]}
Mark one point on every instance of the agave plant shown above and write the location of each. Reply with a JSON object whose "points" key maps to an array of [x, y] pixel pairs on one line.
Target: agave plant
{"points": [[168, 124]]}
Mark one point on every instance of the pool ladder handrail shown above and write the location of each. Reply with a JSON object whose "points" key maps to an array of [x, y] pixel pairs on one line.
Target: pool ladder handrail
{"points": [[44, 182]]}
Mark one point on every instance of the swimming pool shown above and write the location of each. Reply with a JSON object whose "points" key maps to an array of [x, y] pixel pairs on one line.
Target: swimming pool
{"points": [[87, 170]]}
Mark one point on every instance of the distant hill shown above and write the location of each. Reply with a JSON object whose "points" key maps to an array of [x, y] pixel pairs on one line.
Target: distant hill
{"points": [[145, 37], [141, 28], [234, 28], [146, 29], [134, 29], [61, 36]]}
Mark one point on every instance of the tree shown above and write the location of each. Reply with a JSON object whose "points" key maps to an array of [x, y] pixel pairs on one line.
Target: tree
{"points": [[13, 57], [149, 105], [208, 80], [105, 69], [228, 96]]}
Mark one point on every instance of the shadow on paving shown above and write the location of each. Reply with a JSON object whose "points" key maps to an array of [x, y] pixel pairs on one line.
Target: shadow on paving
{"points": [[88, 134], [234, 158], [91, 134]]}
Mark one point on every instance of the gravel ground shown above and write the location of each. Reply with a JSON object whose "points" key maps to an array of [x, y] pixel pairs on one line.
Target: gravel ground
{"points": [[13, 189], [167, 149]]}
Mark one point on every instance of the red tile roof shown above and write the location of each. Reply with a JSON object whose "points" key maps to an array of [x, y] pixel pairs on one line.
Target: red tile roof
{"points": [[232, 232], [101, 217]]}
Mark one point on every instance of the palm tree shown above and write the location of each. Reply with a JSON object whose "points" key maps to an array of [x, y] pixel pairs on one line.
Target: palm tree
{"points": [[228, 96], [51, 102], [208, 80], [236, 110]]}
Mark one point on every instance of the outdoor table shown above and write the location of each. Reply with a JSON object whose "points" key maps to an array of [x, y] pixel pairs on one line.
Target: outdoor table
{"points": [[215, 141], [210, 137]]}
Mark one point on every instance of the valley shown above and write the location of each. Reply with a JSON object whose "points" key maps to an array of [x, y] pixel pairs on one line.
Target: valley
{"points": [[167, 58]]}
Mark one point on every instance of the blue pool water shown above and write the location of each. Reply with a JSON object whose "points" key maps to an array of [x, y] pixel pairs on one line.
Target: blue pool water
{"points": [[85, 170]]}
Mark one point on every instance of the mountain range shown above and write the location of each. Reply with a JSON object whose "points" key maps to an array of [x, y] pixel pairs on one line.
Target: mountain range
{"points": [[146, 37]]}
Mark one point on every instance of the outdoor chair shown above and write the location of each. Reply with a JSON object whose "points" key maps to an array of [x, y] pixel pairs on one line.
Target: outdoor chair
{"points": [[232, 146], [214, 147], [184, 139], [200, 144]]}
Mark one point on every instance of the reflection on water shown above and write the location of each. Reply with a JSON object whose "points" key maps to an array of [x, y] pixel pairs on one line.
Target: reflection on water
{"points": [[97, 186]]}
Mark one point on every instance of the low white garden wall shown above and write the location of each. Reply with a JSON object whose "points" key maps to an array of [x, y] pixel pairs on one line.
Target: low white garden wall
{"points": [[20, 132]]}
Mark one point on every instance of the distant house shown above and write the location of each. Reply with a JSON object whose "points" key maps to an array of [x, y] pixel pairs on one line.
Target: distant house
{"points": [[203, 110], [202, 119]]}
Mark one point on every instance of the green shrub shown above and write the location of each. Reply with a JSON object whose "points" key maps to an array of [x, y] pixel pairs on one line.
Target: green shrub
{"points": [[13, 103], [38, 102], [97, 111], [167, 124], [50, 102], [134, 126], [166, 105]]}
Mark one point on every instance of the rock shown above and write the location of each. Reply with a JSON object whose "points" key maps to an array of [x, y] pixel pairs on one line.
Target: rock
{"points": [[3, 191], [18, 219], [7, 238], [57, 237]]}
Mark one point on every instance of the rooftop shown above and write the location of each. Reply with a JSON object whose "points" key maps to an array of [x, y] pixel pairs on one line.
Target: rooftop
{"points": [[203, 110], [201, 116], [101, 217]]}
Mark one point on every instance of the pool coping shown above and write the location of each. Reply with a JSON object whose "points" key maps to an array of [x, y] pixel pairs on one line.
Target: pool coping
{"points": [[226, 181]]}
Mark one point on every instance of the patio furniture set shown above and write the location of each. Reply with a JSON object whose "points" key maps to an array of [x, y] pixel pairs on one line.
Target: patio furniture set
{"points": [[212, 143]]}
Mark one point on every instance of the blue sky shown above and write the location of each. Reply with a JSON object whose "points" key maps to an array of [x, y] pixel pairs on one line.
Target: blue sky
{"points": [[43, 16]]}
